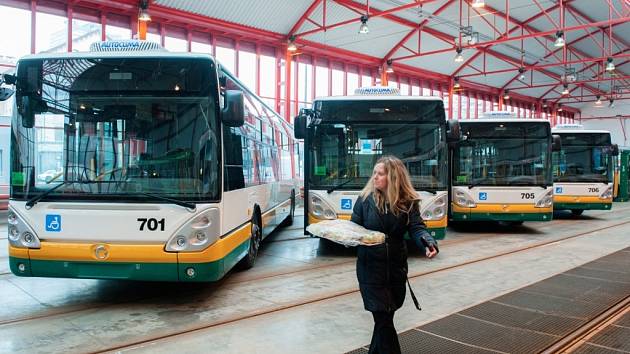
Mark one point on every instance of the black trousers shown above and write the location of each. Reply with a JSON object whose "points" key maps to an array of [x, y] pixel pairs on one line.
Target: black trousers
{"points": [[384, 337]]}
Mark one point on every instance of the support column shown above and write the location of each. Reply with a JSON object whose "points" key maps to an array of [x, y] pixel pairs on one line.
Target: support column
{"points": [[70, 15], [287, 85], [33, 25]]}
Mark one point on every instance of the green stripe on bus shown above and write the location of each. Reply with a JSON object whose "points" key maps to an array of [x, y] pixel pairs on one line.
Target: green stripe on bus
{"points": [[204, 272], [502, 217], [582, 206]]}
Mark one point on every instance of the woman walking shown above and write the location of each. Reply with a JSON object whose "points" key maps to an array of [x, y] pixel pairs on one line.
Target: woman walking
{"points": [[388, 203]]}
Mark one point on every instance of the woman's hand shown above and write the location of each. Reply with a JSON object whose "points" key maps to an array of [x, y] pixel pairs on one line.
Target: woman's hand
{"points": [[431, 251]]}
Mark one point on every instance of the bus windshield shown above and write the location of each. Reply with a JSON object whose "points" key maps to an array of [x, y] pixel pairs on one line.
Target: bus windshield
{"points": [[503, 154], [585, 157], [351, 137], [123, 126]]}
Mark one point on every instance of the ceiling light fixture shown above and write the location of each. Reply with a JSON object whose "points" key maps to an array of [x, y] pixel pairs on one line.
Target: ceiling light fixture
{"points": [[456, 84], [506, 95], [143, 14], [363, 29], [478, 3], [459, 57], [521, 71], [390, 68], [566, 89], [611, 104], [610, 66], [599, 101], [291, 47], [559, 39]]}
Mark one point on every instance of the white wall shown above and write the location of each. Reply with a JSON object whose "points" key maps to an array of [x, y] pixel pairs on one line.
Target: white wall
{"points": [[610, 120]]}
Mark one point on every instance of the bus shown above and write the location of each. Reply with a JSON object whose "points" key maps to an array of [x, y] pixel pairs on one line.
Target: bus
{"points": [[502, 170], [583, 169], [344, 136], [622, 175], [131, 162]]}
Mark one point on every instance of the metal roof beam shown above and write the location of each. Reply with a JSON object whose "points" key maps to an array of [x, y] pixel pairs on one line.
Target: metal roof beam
{"points": [[415, 30], [305, 17]]}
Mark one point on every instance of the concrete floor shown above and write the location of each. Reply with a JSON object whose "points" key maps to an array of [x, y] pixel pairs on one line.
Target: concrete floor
{"points": [[300, 298]]}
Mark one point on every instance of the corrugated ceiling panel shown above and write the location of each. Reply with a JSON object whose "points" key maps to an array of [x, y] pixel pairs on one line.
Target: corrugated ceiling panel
{"points": [[271, 15], [442, 63], [596, 9], [414, 14], [383, 36]]}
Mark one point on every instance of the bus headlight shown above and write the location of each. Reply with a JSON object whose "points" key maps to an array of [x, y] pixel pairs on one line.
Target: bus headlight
{"points": [[607, 193], [463, 199], [546, 201], [197, 234], [12, 218], [320, 208], [434, 209], [21, 235]]}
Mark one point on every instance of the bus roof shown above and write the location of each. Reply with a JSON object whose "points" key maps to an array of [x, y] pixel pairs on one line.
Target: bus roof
{"points": [[504, 120], [120, 54], [378, 98], [579, 131]]}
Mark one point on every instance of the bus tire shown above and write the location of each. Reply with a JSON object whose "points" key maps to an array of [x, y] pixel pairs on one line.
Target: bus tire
{"points": [[254, 244], [289, 219], [577, 212]]}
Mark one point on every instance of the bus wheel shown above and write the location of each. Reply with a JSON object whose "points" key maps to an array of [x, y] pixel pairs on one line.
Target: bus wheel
{"points": [[254, 244], [289, 220], [577, 212]]}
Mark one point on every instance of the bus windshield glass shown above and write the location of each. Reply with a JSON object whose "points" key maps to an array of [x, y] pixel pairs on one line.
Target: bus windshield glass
{"points": [[118, 127], [503, 154], [585, 157], [352, 135]]}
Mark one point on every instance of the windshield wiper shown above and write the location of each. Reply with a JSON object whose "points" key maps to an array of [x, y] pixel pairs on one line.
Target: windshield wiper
{"points": [[31, 202], [187, 205], [333, 188]]}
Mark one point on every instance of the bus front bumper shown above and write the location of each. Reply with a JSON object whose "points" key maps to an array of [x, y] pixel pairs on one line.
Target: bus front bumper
{"points": [[128, 261], [576, 202], [501, 212], [437, 228]]}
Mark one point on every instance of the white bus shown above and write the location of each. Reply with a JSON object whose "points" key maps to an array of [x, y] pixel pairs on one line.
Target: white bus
{"points": [[583, 169], [130, 162], [344, 136], [502, 170]]}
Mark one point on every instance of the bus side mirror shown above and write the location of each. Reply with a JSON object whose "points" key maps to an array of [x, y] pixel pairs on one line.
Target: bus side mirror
{"points": [[556, 143], [5, 93], [299, 127], [453, 132], [28, 108], [614, 150], [233, 114]]}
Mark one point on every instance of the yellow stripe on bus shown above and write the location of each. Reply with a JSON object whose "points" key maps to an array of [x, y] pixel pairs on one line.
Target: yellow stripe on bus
{"points": [[436, 224], [18, 252], [579, 199], [65, 251], [500, 208]]}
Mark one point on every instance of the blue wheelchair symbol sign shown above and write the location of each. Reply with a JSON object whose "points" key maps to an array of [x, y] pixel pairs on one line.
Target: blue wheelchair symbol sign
{"points": [[53, 223], [483, 196], [558, 190], [346, 204]]}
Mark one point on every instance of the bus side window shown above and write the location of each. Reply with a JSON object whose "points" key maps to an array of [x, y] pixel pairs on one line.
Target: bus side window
{"points": [[233, 149]]}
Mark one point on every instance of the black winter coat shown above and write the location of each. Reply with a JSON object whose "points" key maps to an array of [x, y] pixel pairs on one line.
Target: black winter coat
{"points": [[382, 269]]}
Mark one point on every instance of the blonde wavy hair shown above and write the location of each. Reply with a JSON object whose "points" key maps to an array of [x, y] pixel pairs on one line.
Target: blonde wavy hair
{"points": [[400, 194]]}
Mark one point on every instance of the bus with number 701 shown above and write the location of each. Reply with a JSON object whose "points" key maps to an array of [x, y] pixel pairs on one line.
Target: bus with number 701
{"points": [[130, 162]]}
